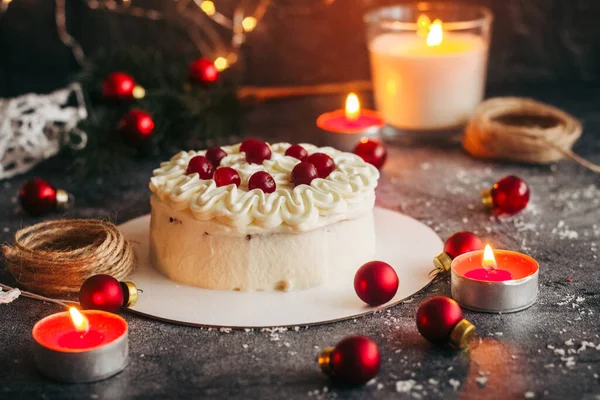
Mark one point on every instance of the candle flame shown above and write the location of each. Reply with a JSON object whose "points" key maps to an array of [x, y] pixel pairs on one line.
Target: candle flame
{"points": [[435, 35], [423, 24], [489, 261], [352, 106], [80, 322]]}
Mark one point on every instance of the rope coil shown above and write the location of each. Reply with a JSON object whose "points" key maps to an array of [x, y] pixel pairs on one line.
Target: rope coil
{"points": [[55, 257], [521, 129]]}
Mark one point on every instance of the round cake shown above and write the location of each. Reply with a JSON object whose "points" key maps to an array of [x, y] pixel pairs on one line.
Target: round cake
{"points": [[239, 236]]}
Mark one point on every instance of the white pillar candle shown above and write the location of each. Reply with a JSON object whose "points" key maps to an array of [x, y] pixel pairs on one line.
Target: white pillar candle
{"points": [[421, 86]]}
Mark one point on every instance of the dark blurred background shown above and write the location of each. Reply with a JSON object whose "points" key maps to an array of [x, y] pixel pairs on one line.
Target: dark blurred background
{"points": [[298, 41]]}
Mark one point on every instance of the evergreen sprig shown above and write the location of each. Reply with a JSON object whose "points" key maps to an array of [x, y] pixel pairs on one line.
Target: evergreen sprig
{"points": [[185, 114]]}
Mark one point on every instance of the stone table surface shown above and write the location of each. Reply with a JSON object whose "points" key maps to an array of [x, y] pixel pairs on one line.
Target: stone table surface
{"points": [[545, 351]]}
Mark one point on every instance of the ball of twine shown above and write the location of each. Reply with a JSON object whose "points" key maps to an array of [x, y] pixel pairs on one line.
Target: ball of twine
{"points": [[55, 257], [525, 130]]}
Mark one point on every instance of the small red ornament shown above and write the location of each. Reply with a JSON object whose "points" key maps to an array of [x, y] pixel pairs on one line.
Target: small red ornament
{"points": [[376, 283], [136, 127], [121, 86], [297, 151], [256, 151], [203, 71], [324, 164], [103, 292], [440, 320], [201, 166], [263, 181], [508, 196], [303, 173], [215, 155], [457, 244], [355, 360], [372, 151], [226, 176], [38, 197]]}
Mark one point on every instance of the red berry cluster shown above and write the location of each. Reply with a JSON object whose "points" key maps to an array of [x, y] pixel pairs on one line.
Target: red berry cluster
{"points": [[316, 165], [206, 167]]}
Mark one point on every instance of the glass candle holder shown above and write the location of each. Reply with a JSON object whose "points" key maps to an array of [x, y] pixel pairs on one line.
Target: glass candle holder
{"points": [[428, 63]]}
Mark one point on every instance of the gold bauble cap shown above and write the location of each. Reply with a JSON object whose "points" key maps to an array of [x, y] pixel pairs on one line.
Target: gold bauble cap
{"points": [[130, 293], [324, 360], [462, 333], [442, 263], [138, 92], [486, 198], [63, 199]]}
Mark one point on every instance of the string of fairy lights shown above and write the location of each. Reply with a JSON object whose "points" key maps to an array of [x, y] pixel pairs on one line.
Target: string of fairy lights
{"points": [[203, 22]]}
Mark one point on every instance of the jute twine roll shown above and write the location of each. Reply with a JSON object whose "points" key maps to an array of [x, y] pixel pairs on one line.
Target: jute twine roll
{"points": [[520, 129], [55, 257]]}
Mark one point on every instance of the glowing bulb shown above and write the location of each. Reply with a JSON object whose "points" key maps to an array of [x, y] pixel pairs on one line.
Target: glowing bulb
{"points": [[208, 7], [352, 106], [489, 261], [221, 63], [423, 24], [80, 322], [435, 35], [249, 23]]}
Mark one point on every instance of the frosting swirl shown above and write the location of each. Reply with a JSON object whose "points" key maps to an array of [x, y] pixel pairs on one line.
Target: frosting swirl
{"points": [[348, 192]]}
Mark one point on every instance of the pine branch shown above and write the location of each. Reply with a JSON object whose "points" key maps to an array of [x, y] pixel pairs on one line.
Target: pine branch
{"points": [[185, 114]]}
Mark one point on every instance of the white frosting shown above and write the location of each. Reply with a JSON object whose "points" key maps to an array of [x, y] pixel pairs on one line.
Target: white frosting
{"points": [[348, 192]]}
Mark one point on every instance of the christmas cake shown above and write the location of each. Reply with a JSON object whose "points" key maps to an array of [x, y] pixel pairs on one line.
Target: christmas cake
{"points": [[260, 217]]}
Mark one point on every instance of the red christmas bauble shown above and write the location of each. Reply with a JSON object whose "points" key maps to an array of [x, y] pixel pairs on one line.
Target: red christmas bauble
{"points": [[121, 86], [136, 127], [262, 180], [323, 162], [102, 292], [203, 71], [215, 155], [303, 173], [297, 151], [509, 195], [226, 176], [372, 151], [37, 196], [462, 242], [376, 283], [256, 151], [355, 360], [437, 317], [201, 166]]}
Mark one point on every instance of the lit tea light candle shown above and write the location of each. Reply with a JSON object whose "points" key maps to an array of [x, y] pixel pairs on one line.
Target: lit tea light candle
{"points": [[346, 127], [499, 281], [428, 71], [79, 346]]}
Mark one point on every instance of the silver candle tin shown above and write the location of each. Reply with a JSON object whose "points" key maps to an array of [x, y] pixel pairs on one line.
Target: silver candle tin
{"points": [[494, 297], [80, 366]]}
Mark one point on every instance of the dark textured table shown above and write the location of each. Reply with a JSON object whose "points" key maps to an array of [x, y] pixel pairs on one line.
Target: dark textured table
{"points": [[551, 350]]}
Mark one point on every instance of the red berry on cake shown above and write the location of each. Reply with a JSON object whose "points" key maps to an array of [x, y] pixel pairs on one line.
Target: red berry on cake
{"points": [[297, 151], [304, 173], [324, 164], [201, 166], [226, 176], [215, 155], [256, 151], [263, 181]]}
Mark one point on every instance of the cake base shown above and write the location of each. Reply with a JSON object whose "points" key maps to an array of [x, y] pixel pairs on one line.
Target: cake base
{"points": [[195, 253], [406, 244]]}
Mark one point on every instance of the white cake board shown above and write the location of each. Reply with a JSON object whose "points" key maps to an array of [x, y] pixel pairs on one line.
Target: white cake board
{"points": [[406, 244]]}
